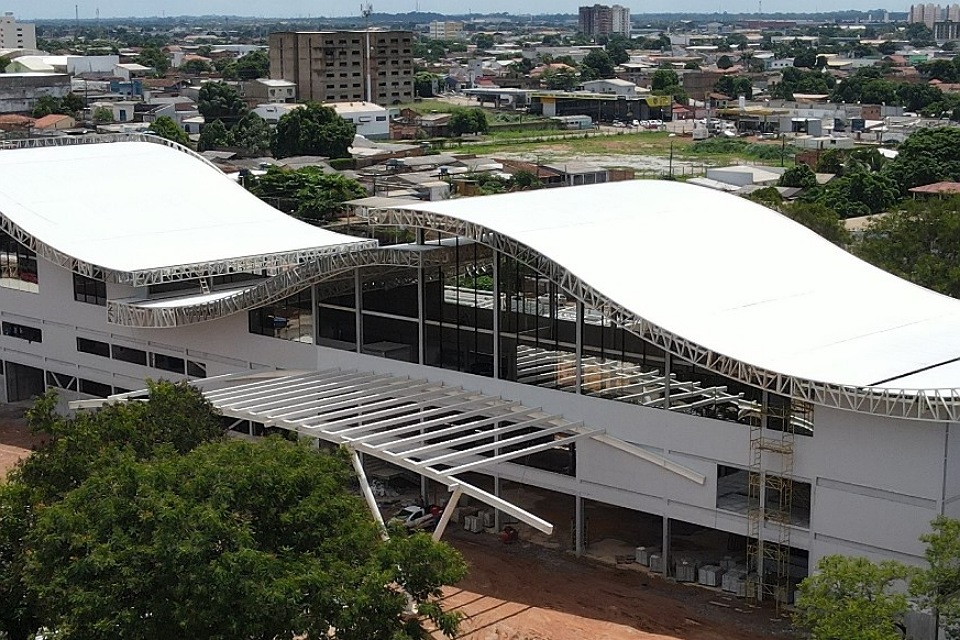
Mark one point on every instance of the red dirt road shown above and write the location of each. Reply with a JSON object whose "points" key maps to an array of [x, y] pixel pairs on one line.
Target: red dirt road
{"points": [[524, 592]]}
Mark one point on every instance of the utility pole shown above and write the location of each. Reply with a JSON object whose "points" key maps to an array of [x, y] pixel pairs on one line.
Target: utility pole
{"points": [[365, 11]]}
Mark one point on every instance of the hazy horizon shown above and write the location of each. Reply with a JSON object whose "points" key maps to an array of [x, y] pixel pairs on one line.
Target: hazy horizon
{"points": [[64, 9]]}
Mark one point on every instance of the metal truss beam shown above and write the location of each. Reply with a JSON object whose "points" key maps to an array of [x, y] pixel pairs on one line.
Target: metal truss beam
{"points": [[910, 404]]}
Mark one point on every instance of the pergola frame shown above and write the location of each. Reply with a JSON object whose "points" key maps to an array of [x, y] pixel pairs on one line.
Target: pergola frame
{"points": [[428, 428], [911, 404]]}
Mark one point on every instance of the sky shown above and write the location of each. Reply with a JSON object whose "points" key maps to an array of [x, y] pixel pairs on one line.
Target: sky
{"points": [[341, 8]]}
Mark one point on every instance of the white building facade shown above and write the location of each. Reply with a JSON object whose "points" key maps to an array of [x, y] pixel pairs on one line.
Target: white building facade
{"points": [[751, 407]]}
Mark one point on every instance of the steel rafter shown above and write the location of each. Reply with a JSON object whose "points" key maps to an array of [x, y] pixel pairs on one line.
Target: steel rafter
{"points": [[911, 404]]}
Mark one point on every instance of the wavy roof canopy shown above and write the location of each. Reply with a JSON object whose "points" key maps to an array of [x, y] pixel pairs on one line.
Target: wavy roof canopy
{"points": [[136, 207], [733, 277]]}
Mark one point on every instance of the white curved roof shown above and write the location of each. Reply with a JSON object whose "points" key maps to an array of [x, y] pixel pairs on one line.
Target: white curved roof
{"points": [[137, 206], [736, 278]]}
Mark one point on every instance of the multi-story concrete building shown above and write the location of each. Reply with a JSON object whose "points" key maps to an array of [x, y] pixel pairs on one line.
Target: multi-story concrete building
{"points": [[770, 401], [343, 66], [445, 30], [601, 20], [16, 35], [929, 14]]}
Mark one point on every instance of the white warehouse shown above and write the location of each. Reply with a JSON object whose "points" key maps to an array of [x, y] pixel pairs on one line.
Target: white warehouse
{"points": [[670, 366]]}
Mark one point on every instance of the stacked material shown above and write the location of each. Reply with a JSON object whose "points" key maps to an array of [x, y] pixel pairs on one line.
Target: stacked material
{"points": [[710, 575], [643, 555]]}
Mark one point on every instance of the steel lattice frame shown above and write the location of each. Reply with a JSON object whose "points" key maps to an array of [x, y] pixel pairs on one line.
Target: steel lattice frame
{"points": [[134, 314], [145, 277], [911, 404]]}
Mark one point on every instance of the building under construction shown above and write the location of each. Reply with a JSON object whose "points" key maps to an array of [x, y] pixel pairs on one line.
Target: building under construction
{"points": [[643, 369]]}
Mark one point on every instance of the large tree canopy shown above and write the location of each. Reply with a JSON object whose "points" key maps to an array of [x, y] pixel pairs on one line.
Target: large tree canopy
{"points": [[313, 130], [927, 156], [920, 242], [852, 598], [306, 193], [139, 521], [220, 101], [167, 127], [234, 540]]}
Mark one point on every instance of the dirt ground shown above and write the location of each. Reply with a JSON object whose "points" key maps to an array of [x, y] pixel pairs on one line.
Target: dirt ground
{"points": [[525, 592], [16, 440]]}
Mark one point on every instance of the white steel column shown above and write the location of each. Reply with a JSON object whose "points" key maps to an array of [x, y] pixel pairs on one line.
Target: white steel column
{"points": [[667, 366], [368, 493], [447, 511]]}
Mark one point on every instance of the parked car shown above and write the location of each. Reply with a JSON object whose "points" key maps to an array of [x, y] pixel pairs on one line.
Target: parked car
{"points": [[415, 518]]}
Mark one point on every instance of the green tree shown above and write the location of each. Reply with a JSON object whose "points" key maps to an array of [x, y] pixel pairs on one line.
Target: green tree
{"points": [[938, 586], [253, 133], [617, 51], [253, 65], [483, 41], [306, 193], [800, 176], [72, 104], [597, 64], [806, 58], [830, 161], [102, 115], [693, 65], [857, 194], [926, 156], [44, 106], [424, 84], [214, 135], [820, 219], [154, 58], [560, 79], [724, 62], [664, 78], [195, 67], [176, 420], [313, 130], [920, 242], [234, 538], [468, 121], [166, 127], [852, 598], [220, 101]]}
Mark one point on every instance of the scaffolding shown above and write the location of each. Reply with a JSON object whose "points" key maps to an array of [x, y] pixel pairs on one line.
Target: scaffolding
{"points": [[772, 434]]}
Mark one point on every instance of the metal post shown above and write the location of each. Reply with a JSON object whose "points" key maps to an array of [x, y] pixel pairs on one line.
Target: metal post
{"points": [[421, 328], [496, 319], [665, 555], [496, 492], [315, 314], [578, 524], [579, 347], [447, 512], [357, 303], [666, 375], [368, 493]]}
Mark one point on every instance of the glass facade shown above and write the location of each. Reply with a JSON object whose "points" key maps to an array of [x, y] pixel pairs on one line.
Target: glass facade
{"points": [[473, 310], [89, 290], [18, 265]]}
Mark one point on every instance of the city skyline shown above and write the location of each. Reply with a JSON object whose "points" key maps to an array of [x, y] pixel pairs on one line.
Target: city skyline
{"points": [[108, 9]]}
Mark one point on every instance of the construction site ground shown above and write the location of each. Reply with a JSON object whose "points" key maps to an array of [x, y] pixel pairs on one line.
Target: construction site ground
{"points": [[525, 591]]}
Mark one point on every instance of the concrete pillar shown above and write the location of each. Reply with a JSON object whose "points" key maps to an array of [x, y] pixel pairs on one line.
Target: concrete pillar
{"points": [[578, 525], [666, 554], [496, 512]]}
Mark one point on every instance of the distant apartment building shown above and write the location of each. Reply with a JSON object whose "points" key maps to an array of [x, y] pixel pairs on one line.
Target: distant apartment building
{"points": [[16, 35], [601, 20], [344, 66], [929, 14], [440, 30]]}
